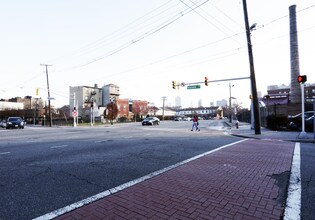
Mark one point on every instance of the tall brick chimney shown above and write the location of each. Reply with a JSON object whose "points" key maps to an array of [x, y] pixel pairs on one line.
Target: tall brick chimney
{"points": [[295, 89]]}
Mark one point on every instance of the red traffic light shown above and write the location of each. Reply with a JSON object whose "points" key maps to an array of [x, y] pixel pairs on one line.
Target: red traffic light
{"points": [[301, 78], [206, 81]]}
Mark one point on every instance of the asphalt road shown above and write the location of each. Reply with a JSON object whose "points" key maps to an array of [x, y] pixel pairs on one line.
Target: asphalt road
{"points": [[43, 169], [307, 180]]}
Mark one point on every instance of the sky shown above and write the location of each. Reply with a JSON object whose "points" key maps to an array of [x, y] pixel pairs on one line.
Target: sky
{"points": [[142, 46]]}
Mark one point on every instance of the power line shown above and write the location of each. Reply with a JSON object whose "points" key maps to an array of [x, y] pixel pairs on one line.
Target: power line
{"points": [[122, 30], [285, 16], [226, 15], [139, 38], [190, 50], [210, 22]]}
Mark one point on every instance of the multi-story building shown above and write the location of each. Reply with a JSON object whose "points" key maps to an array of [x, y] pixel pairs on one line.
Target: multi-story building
{"points": [[123, 108], [283, 91], [222, 103], [84, 98], [278, 99], [28, 102], [310, 93], [110, 93], [4, 105]]}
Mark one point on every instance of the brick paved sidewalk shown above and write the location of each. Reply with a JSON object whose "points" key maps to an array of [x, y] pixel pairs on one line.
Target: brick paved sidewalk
{"points": [[243, 181]]}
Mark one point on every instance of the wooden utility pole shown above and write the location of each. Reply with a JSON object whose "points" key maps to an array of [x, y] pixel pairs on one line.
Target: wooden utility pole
{"points": [[252, 73], [49, 107]]}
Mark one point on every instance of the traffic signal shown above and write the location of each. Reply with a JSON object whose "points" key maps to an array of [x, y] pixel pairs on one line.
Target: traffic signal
{"points": [[174, 84], [301, 78], [206, 81]]}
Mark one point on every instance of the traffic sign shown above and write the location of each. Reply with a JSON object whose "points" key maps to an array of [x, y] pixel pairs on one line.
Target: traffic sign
{"points": [[74, 113], [193, 87]]}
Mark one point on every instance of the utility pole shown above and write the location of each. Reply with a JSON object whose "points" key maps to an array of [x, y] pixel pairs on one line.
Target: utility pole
{"points": [[252, 73], [163, 99], [49, 107]]}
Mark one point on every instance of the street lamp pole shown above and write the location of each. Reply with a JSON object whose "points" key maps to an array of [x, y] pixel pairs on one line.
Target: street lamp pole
{"points": [[252, 73]]}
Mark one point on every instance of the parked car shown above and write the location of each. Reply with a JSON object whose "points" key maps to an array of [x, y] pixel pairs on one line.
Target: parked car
{"points": [[295, 122], [14, 122], [187, 119], [309, 124], [151, 121], [2, 124]]}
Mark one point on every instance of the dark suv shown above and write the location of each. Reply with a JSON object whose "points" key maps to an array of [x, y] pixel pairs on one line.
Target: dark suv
{"points": [[14, 122]]}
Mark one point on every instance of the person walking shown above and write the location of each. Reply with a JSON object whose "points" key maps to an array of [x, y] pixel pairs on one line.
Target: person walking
{"points": [[195, 124]]}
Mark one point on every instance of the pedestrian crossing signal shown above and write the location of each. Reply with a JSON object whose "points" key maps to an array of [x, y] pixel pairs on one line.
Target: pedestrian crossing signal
{"points": [[301, 78]]}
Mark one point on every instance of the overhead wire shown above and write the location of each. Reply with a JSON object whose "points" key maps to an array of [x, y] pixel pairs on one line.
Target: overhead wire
{"points": [[186, 51], [120, 31], [169, 57], [210, 22], [202, 46], [139, 38], [173, 56]]}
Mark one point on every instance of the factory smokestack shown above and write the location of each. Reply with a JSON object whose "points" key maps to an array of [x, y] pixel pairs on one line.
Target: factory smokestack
{"points": [[294, 55]]}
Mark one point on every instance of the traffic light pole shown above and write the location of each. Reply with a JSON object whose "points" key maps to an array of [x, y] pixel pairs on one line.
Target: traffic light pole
{"points": [[212, 81]]}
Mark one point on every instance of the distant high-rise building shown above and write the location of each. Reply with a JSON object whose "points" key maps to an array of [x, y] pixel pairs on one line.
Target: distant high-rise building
{"points": [[178, 101], [222, 102], [200, 103]]}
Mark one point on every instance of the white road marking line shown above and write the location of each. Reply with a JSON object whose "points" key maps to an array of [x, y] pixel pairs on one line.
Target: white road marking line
{"points": [[101, 195], [60, 146], [293, 206], [2, 153]]}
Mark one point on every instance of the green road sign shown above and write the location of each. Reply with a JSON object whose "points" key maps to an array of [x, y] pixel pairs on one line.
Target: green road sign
{"points": [[193, 87]]}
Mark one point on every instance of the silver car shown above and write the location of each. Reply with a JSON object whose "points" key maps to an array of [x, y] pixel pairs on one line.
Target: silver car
{"points": [[151, 121]]}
